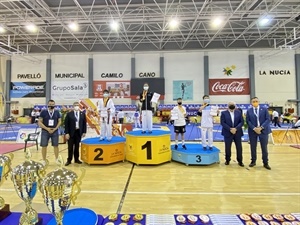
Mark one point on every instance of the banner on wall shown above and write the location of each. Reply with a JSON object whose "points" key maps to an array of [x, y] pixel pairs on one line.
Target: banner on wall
{"points": [[66, 90], [233, 86], [27, 89], [183, 89], [117, 89]]}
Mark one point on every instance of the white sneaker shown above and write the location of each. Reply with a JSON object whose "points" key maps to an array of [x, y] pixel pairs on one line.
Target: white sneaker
{"points": [[58, 162], [101, 139], [43, 162]]}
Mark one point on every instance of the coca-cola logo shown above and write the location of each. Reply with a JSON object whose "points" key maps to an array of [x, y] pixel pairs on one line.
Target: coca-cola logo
{"points": [[229, 86]]}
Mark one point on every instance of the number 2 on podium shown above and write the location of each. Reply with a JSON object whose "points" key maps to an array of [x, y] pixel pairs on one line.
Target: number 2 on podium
{"points": [[148, 147]]}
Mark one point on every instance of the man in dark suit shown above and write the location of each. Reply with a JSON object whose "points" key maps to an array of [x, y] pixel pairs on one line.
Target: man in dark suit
{"points": [[75, 129], [232, 122], [258, 120]]}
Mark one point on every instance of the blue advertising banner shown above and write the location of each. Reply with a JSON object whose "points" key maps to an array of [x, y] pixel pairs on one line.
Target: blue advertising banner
{"points": [[183, 89], [27, 89]]}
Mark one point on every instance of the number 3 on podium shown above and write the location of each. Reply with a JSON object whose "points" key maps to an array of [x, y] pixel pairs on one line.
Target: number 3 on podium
{"points": [[148, 147]]}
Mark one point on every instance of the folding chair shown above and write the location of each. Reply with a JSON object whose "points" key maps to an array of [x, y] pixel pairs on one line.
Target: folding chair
{"points": [[33, 137]]}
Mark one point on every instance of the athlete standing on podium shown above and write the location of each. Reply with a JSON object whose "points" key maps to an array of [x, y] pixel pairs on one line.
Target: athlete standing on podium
{"points": [[206, 123], [145, 99], [106, 109]]}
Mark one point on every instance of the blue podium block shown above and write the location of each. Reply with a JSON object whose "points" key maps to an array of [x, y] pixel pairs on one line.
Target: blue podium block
{"points": [[195, 155]]}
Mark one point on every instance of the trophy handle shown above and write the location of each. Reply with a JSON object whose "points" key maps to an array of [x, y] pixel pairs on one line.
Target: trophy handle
{"points": [[11, 157], [77, 184], [41, 174]]}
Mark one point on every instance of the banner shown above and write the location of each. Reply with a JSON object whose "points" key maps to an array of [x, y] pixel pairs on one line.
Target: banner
{"points": [[27, 89], [234, 86], [69, 90], [117, 89], [183, 89]]}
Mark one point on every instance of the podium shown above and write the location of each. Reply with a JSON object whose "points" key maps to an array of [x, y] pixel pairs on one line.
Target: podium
{"points": [[195, 155], [94, 151], [148, 149]]}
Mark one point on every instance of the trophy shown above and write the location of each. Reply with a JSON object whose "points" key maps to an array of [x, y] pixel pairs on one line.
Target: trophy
{"points": [[59, 188], [26, 178], [5, 169]]}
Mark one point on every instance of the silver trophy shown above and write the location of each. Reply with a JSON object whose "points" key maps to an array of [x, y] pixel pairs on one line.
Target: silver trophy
{"points": [[25, 178], [59, 188], [5, 169]]}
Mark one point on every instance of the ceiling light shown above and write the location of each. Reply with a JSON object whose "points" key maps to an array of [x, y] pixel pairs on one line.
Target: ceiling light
{"points": [[174, 23], [31, 27], [264, 21], [73, 26], [114, 25], [217, 22], [2, 30]]}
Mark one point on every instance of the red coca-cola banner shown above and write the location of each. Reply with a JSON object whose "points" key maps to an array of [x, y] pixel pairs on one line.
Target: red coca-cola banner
{"points": [[233, 86]]}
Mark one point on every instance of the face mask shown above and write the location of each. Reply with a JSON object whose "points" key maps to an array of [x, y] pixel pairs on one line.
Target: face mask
{"points": [[146, 88], [76, 108], [206, 100], [231, 107], [105, 95], [179, 103], [51, 106], [255, 104]]}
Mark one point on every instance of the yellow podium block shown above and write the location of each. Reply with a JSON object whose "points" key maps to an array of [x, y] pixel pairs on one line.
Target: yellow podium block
{"points": [[148, 148], [94, 151]]}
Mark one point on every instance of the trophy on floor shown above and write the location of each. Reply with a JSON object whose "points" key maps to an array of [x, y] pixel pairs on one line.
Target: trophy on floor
{"points": [[59, 188], [25, 178], [5, 169]]}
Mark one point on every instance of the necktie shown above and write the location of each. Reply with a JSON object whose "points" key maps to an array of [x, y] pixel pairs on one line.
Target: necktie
{"points": [[256, 113]]}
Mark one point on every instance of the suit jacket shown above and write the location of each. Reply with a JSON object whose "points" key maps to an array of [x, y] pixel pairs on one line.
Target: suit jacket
{"points": [[264, 120], [70, 123], [226, 123]]}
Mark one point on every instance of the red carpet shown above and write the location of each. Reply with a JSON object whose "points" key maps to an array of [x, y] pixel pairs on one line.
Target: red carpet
{"points": [[6, 148]]}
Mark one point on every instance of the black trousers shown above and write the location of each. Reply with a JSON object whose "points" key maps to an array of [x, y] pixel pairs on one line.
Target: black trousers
{"points": [[276, 122], [238, 145], [263, 139], [73, 146]]}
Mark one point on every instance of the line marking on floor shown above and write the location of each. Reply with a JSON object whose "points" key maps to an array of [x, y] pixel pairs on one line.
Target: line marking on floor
{"points": [[179, 193], [125, 190]]}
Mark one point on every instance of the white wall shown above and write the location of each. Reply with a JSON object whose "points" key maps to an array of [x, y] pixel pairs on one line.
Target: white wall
{"points": [[184, 66], [147, 63], [23, 65], [276, 89], [218, 60], [69, 64]]}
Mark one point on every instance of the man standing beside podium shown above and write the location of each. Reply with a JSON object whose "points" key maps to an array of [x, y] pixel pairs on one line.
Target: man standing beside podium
{"points": [[258, 120], [75, 129]]}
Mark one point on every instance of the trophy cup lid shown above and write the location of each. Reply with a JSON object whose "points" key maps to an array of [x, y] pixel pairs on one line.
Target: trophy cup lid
{"points": [[28, 166], [60, 176]]}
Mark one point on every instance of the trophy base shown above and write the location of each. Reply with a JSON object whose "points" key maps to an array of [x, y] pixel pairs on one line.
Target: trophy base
{"points": [[4, 212], [40, 222]]}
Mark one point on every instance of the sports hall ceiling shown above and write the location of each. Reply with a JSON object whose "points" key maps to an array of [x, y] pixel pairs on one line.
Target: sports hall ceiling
{"points": [[146, 25]]}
